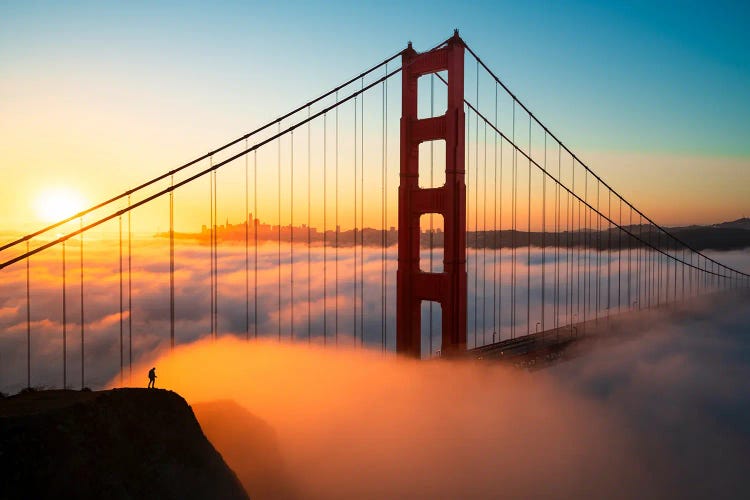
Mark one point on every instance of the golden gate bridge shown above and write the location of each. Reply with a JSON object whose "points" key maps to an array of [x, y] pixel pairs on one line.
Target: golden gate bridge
{"points": [[498, 238]]}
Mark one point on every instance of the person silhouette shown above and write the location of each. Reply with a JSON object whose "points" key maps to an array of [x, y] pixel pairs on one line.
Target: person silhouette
{"points": [[152, 378]]}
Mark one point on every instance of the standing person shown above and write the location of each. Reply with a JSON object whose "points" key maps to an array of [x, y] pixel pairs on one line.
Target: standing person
{"points": [[152, 378]]}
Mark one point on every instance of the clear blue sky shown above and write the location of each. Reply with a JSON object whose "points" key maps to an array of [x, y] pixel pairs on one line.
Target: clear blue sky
{"points": [[668, 78], [665, 76]]}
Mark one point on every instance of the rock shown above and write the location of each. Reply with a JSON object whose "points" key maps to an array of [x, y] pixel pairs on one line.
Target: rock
{"points": [[122, 443]]}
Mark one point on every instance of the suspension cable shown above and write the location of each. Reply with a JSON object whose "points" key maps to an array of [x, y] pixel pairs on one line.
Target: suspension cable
{"points": [[196, 175], [207, 155], [544, 127], [516, 150]]}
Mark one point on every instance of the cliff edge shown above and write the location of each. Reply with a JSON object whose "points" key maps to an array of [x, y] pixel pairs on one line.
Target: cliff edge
{"points": [[122, 443]]}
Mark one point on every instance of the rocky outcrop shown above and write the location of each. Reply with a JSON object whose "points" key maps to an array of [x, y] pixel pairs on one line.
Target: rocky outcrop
{"points": [[122, 443]]}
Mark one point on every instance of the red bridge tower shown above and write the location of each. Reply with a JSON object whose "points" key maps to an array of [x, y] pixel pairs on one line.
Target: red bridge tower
{"points": [[413, 285]]}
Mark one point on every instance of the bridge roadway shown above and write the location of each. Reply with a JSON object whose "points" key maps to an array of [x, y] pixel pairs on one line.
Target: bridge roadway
{"points": [[539, 350]]}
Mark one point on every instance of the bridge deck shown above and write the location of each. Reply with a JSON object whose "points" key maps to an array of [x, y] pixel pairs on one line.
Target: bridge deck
{"points": [[540, 349]]}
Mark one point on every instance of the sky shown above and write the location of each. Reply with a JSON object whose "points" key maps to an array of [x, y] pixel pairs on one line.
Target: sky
{"points": [[96, 97]]}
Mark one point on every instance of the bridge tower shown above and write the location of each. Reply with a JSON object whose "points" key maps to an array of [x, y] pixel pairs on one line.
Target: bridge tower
{"points": [[413, 285]]}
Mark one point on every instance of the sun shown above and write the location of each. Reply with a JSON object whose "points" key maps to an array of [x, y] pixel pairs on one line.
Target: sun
{"points": [[58, 203]]}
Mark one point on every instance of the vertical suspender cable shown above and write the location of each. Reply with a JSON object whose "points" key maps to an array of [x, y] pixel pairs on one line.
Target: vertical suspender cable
{"points": [[587, 250], [641, 263], [80, 255], [362, 218], [666, 272], [690, 277], [619, 260], [278, 241], [706, 282], [171, 263], [382, 218], [215, 257], [572, 239], [130, 295], [247, 251], [557, 237], [119, 220], [216, 254], [336, 223], [674, 295], [385, 216], [65, 322], [528, 246], [630, 246], [309, 231], [500, 251], [471, 258], [544, 224], [649, 279], [609, 251], [484, 238], [256, 223], [211, 241], [494, 229], [325, 229], [652, 269], [636, 243], [569, 249], [28, 318], [476, 208], [354, 191], [598, 249], [278, 232], [513, 232], [682, 280], [211, 246], [432, 185], [647, 271], [291, 235], [658, 270]]}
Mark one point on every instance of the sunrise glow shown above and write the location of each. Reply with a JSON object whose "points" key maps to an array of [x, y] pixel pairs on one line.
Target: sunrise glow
{"points": [[58, 203]]}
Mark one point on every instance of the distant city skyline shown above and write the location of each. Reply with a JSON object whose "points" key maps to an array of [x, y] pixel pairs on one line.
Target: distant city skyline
{"points": [[720, 236]]}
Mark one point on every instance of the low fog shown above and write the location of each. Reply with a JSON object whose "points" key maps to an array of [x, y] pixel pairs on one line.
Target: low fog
{"points": [[663, 413], [334, 308]]}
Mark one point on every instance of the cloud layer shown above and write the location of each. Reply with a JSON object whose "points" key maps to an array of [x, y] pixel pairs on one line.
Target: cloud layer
{"points": [[351, 301], [663, 414]]}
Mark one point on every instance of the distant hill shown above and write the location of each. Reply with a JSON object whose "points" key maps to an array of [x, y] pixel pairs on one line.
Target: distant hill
{"points": [[123, 443], [743, 223]]}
